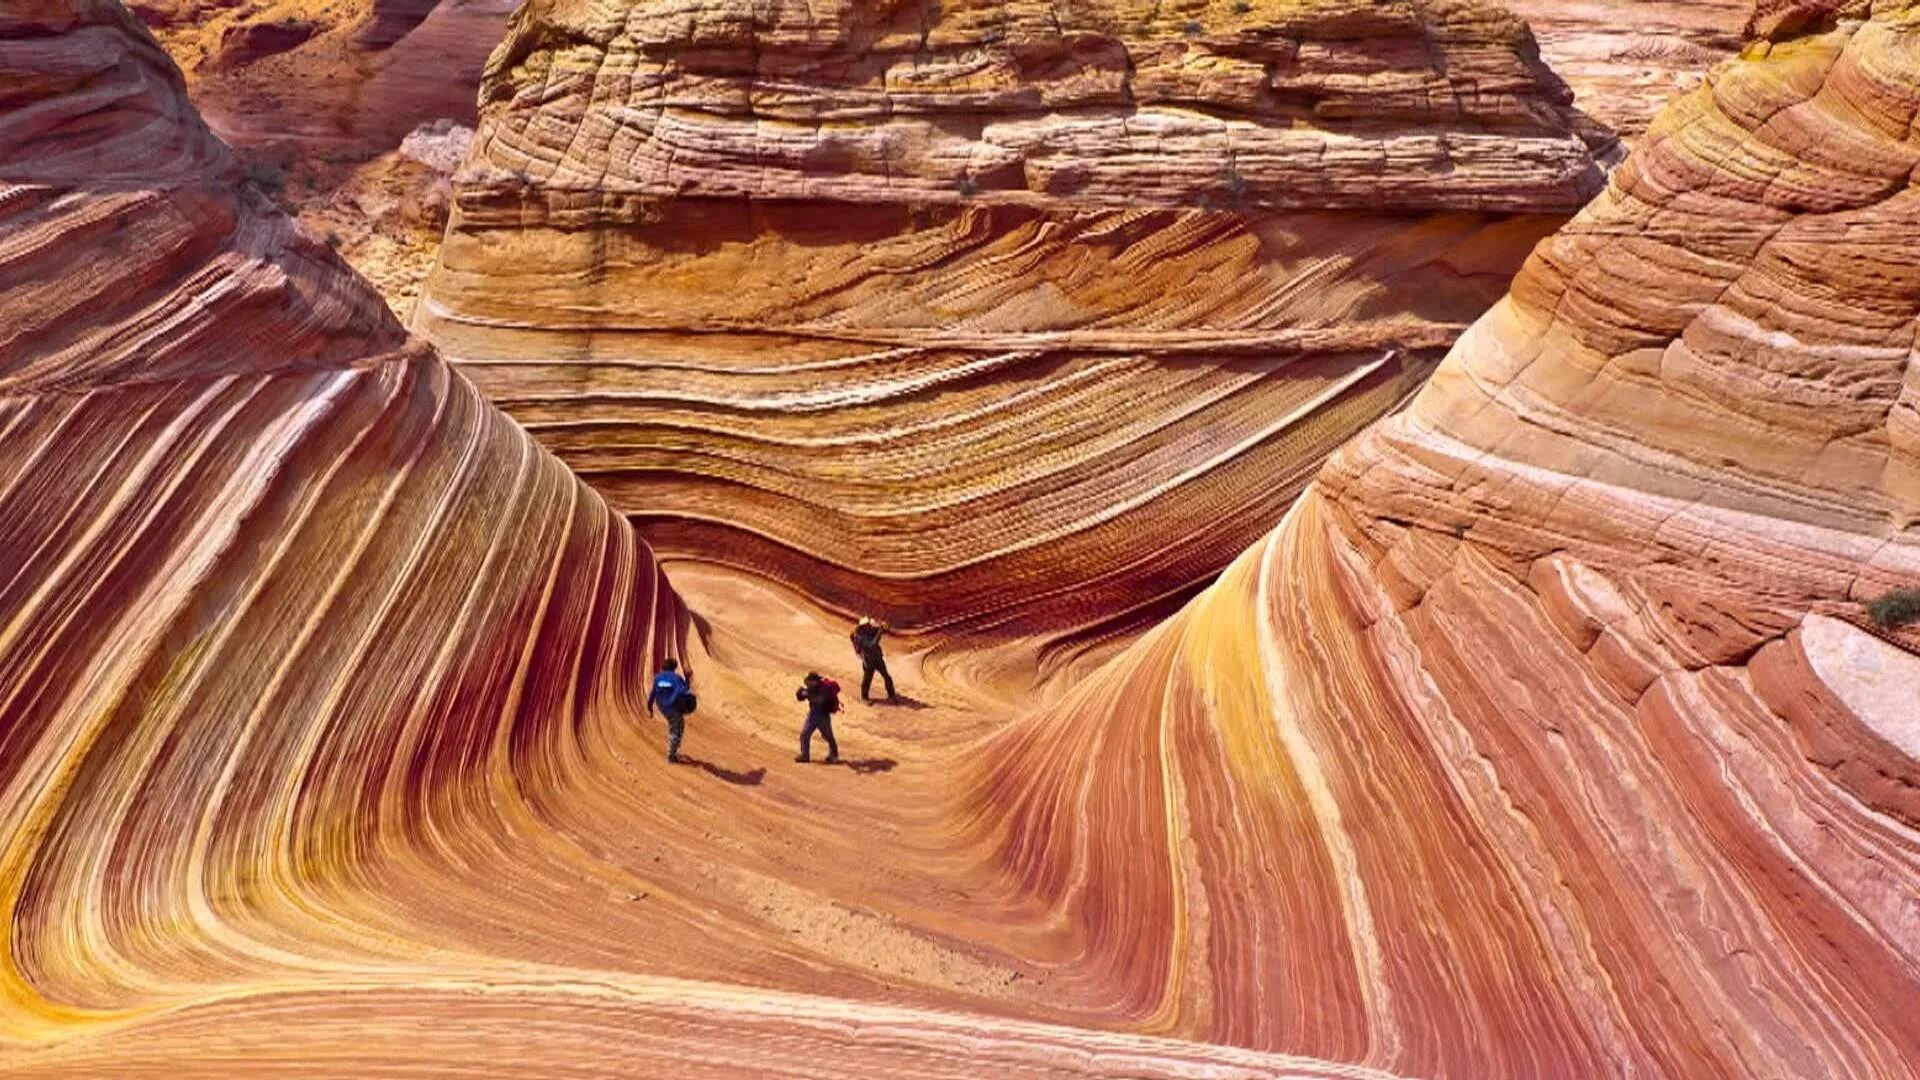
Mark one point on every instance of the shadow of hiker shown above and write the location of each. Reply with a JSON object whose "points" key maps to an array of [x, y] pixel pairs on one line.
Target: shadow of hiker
{"points": [[869, 766], [901, 702], [745, 779]]}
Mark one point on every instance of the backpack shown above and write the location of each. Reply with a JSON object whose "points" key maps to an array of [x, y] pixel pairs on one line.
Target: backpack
{"points": [[833, 693], [683, 702]]}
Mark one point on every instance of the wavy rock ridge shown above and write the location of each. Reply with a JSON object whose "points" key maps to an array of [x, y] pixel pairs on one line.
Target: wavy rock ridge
{"points": [[1544, 737], [1539, 740], [285, 604], [849, 292]]}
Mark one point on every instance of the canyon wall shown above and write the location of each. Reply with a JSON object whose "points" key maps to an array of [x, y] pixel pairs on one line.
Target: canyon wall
{"points": [[986, 316], [1547, 735]]}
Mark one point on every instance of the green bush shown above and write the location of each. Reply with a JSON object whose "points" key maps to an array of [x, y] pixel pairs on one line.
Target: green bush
{"points": [[1901, 607], [267, 178]]}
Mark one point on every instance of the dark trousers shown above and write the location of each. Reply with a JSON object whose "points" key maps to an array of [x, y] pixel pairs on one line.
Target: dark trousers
{"points": [[869, 665], [676, 730], [822, 723]]}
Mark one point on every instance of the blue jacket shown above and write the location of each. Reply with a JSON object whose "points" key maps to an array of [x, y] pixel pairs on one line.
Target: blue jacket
{"points": [[667, 688]]}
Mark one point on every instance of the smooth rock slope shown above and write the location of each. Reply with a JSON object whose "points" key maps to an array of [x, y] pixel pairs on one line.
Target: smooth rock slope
{"points": [[986, 316], [1546, 735]]}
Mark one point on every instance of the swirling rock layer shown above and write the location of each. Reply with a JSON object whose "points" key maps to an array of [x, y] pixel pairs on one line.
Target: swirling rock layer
{"points": [[1546, 736], [986, 315], [319, 688]]}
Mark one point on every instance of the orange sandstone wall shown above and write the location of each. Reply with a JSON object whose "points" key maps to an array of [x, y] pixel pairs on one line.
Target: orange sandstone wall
{"points": [[986, 316], [1545, 736]]}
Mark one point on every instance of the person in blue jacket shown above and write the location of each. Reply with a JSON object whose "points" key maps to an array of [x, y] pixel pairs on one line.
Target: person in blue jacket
{"points": [[671, 696]]}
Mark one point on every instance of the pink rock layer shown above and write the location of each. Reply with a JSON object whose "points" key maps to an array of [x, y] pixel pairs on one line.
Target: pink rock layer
{"points": [[986, 316]]}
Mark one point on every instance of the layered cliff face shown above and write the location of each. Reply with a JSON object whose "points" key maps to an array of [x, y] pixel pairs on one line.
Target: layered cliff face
{"points": [[986, 316], [1546, 736], [1543, 738]]}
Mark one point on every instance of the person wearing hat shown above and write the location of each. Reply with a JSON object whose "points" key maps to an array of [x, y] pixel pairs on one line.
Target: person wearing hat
{"points": [[822, 696], [866, 645]]}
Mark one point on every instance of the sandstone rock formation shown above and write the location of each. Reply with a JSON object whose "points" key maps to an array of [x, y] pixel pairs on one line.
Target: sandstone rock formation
{"points": [[1625, 59], [320, 682], [1543, 738], [340, 80], [986, 316], [319, 98], [1546, 737]]}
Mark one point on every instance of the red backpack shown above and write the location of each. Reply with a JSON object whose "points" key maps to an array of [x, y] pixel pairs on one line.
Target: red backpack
{"points": [[833, 693]]}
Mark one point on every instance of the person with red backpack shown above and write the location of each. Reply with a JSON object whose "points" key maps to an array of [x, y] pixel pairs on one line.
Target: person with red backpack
{"points": [[822, 696]]}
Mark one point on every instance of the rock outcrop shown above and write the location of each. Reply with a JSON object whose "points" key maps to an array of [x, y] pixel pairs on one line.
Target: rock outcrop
{"points": [[1546, 736], [328, 82], [986, 316], [318, 98], [320, 691]]}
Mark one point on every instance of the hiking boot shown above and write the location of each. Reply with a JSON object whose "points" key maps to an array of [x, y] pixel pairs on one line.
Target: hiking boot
{"points": [[673, 759], [802, 760], [833, 759]]}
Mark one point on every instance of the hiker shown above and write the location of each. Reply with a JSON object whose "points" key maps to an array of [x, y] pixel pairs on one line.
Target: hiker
{"points": [[823, 700], [866, 644], [675, 700]]}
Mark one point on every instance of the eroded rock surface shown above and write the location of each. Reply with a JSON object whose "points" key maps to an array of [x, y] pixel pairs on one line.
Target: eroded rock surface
{"points": [[318, 97], [1546, 736], [1625, 59], [986, 315]]}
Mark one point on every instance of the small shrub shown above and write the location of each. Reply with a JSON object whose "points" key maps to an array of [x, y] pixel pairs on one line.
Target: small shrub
{"points": [[333, 240], [1236, 186], [1241, 7], [1192, 29], [967, 187], [267, 178], [1901, 607]]}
